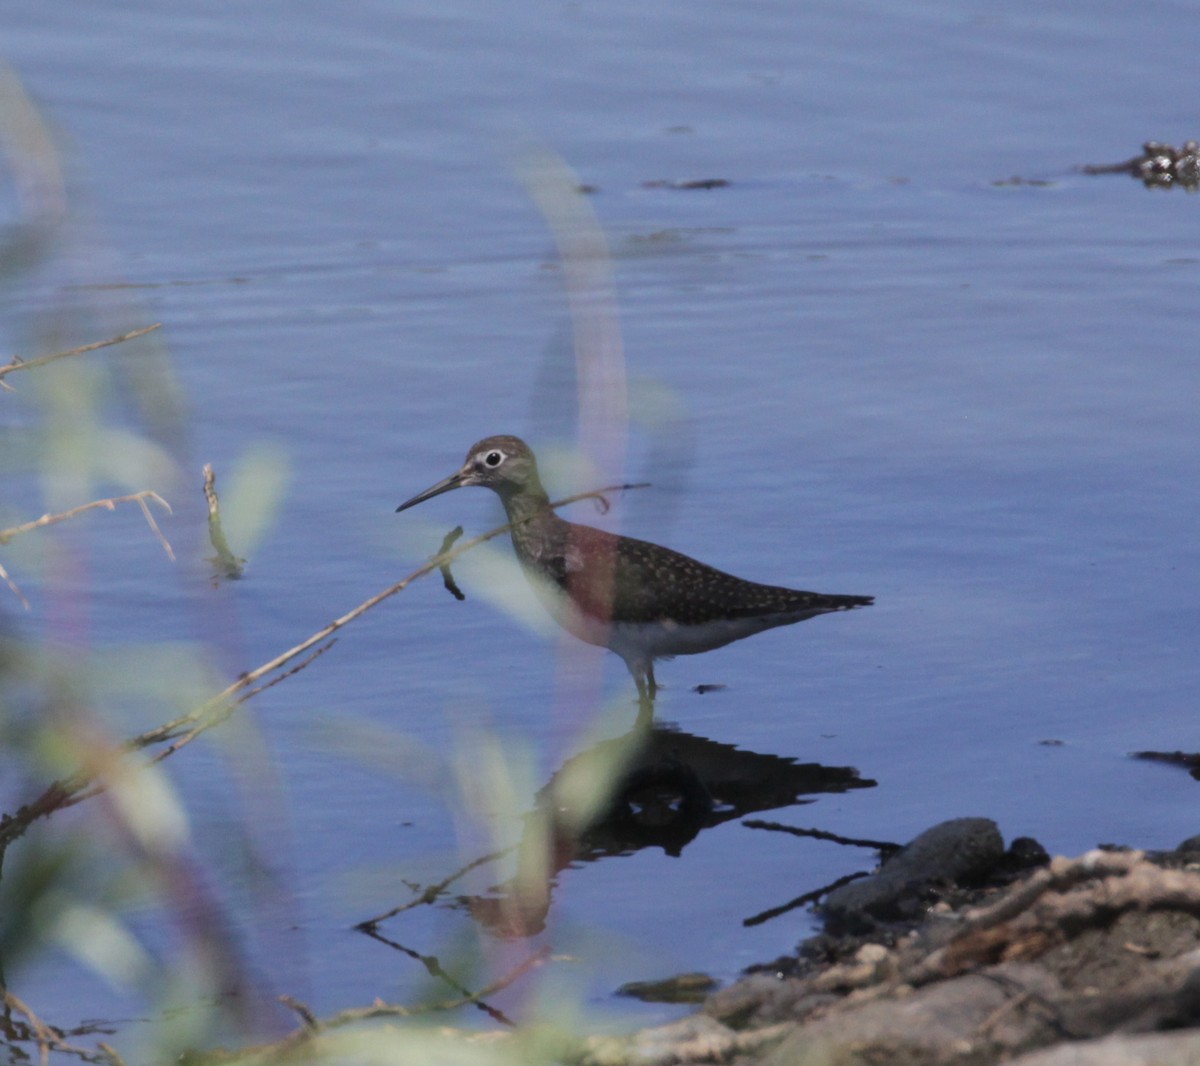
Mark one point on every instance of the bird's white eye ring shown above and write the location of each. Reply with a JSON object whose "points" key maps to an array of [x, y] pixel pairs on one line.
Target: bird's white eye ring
{"points": [[494, 459]]}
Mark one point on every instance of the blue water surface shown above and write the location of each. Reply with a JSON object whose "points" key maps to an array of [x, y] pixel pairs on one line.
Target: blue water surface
{"points": [[872, 363]]}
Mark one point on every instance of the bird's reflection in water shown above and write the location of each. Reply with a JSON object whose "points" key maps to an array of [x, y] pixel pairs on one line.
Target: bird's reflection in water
{"points": [[653, 787]]}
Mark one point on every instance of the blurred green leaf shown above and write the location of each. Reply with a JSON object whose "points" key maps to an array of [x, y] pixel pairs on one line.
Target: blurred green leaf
{"points": [[251, 496]]}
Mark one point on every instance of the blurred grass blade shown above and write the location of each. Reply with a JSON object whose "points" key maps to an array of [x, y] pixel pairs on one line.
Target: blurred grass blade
{"points": [[253, 495], [32, 159]]}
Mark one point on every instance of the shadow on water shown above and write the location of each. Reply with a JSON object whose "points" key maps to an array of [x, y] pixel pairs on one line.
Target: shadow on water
{"points": [[653, 787]]}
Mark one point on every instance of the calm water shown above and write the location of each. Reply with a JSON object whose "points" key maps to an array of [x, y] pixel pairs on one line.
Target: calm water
{"points": [[863, 367]]}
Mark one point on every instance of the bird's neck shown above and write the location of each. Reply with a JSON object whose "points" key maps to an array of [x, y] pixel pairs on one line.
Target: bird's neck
{"points": [[536, 529], [527, 506]]}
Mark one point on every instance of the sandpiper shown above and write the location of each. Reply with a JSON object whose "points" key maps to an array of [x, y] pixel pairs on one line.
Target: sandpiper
{"points": [[641, 600]]}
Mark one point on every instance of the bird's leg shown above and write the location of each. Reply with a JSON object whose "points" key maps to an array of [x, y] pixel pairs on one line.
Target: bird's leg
{"points": [[645, 718], [647, 688], [643, 692]]}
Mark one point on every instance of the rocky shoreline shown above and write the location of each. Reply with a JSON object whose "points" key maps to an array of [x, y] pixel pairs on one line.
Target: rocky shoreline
{"points": [[960, 951]]}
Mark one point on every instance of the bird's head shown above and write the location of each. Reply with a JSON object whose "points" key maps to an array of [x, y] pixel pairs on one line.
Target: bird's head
{"points": [[503, 464]]}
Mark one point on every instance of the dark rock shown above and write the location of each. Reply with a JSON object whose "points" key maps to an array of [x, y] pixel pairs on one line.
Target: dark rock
{"points": [[682, 988], [958, 852], [1025, 853]]}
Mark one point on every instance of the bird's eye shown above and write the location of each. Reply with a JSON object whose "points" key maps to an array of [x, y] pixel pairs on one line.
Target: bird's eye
{"points": [[494, 459]]}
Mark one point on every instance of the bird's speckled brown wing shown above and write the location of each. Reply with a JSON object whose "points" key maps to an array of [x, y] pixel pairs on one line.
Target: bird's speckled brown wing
{"points": [[640, 582]]}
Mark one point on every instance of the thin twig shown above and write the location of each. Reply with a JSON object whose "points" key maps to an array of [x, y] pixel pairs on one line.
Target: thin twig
{"points": [[306, 1014], [314, 1027], [110, 504], [141, 499], [599, 495], [46, 1036], [435, 968], [114, 1058], [432, 892], [396, 1010], [28, 364], [15, 588], [801, 901], [287, 673], [885, 847], [182, 740]]}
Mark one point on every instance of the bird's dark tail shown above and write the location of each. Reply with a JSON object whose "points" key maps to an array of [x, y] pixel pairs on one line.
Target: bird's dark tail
{"points": [[843, 603]]}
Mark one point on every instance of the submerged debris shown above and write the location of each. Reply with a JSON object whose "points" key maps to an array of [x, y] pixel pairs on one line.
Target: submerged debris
{"points": [[682, 988], [692, 183], [225, 563], [447, 577], [1159, 166], [1189, 760], [1016, 179]]}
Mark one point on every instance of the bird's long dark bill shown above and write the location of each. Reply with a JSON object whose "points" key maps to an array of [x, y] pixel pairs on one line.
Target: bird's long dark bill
{"points": [[454, 481]]}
